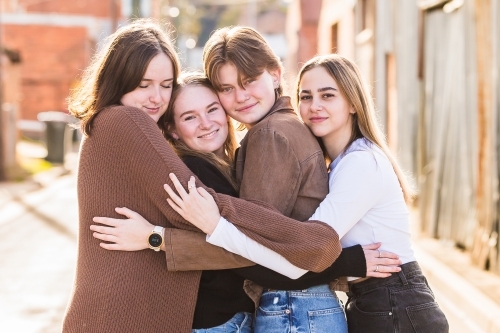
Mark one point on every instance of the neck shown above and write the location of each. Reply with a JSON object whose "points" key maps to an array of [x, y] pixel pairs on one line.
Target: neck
{"points": [[219, 152], [336, 143]]}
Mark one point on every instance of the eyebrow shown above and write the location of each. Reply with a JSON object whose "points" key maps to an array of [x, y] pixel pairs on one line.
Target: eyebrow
{"points": [[319, 90], [191, 111], [144, 79]]}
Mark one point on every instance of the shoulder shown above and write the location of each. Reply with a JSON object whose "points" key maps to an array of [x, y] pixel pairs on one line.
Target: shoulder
{"points": [[209, 175], [281, 121], [198, 165], [365, 159], [121, 118], [281, 125]]}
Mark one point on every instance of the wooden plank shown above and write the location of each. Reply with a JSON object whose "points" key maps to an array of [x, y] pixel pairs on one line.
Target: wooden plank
{"points": [[484, 192]]}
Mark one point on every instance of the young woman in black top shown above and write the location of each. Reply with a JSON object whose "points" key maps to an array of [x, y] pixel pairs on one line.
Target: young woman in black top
{"points": [[202, 135]]}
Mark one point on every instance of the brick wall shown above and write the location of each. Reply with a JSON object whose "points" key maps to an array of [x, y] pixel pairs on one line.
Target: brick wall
{"points": [[54, 53], [98, 8], [52, 58]]}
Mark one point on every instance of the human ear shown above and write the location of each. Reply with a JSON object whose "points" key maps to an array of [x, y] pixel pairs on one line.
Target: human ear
{"points": [[276, 75], [172, 132]]}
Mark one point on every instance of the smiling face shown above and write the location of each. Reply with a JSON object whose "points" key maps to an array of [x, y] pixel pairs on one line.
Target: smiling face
{"points": [[252, 102], [200, 121], [323, 108], [153, 93]]}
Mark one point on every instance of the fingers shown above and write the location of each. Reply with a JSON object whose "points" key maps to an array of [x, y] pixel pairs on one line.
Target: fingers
{"points": [[179, 210], [103, 230], [173, 196], [387, 262], [180, 189], [127, 212], [373, 246], [191, 184], [205, 194], [107, 221], [112, 247], [105, 237], [381, 271], [385, 254]]}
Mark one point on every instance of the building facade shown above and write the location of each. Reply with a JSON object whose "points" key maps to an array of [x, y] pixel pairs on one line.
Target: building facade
{"points": [[433, 66], [55, 39]]}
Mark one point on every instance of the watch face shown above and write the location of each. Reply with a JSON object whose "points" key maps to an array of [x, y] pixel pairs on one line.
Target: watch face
{"points": [[154, 240]]}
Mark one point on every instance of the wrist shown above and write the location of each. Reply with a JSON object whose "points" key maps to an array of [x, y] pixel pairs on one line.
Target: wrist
{"points": [[155, 238], [211, 226]]}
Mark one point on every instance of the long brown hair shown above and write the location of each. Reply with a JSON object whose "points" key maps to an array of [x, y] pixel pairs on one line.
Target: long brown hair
{"points": [[225, 164], [364, 121], [244, 48], [118, 68]]}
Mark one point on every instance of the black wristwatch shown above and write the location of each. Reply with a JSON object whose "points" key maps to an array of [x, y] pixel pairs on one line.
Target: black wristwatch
{"points": [[155, 239]]}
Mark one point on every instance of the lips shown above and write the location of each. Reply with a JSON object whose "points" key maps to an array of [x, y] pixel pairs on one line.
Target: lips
{"points": [[152, 110], [246, 108], [208, 135], [317, 119]]}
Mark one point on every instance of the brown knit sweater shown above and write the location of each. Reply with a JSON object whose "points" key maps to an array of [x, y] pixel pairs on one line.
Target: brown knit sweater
{"points": [[124, 163]]}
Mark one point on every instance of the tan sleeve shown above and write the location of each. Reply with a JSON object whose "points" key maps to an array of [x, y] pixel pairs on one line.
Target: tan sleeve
{"points": [[189, 251]]}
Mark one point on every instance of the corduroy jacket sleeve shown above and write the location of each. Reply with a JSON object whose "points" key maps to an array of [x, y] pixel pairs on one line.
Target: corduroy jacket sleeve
{"points": [[312, 246], [189, 251]]}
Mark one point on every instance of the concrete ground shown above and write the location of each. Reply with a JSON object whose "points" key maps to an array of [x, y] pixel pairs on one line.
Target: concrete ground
{"points": [[38, 233]]}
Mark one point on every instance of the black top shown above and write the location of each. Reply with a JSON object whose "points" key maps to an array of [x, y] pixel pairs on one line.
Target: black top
{"points": [[221, 293]]}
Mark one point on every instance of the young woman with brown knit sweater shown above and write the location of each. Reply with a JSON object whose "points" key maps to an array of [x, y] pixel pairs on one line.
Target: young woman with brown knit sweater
{"points": [[202, 135], [124, 161]]}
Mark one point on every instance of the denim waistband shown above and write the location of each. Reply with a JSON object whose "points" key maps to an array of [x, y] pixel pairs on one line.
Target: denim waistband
{"points": [[322, 288], [408, 270]]}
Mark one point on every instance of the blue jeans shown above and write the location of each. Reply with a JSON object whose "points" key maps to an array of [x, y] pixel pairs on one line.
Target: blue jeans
{"points": [[314, 310], [240, 323], [403, 302]]}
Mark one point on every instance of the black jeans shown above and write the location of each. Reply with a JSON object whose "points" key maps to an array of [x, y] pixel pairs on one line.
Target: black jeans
{"points": [[401, 303]]}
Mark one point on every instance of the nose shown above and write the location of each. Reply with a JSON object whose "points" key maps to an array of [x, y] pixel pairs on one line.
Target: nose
{"points": [[241, 95], [205, 122], [315, 105], [155, 96]]}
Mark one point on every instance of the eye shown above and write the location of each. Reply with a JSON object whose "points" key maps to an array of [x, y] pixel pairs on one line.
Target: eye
{"points": [[143, 86], [189, 118], [249, 81], [213, 109], [328, 95], [226, 89], [305, 97], [168, 86]]}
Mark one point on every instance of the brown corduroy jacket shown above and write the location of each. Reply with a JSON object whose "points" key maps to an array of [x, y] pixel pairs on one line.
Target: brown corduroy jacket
{"points": [[124, 163], [280, 163]]}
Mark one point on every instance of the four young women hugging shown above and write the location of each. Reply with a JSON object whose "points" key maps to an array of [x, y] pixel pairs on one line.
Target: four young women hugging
{"points": [[124, 161], [199, 124]]}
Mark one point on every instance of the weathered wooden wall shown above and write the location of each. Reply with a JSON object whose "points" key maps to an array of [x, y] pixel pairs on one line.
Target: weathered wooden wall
{"points": [[434, 67]]}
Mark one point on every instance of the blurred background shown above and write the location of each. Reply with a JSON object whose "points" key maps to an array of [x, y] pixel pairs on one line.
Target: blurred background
{"points": [[433, 67]]}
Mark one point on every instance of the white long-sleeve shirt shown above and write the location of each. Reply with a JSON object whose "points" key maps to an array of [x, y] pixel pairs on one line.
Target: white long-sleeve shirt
{"points": [[365, 205]]}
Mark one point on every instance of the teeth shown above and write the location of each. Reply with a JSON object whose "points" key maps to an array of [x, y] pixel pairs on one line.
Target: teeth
{"points": [[209, 134]]}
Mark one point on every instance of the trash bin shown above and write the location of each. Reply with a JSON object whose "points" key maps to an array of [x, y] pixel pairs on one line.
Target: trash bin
{"points": [[57, 134]]}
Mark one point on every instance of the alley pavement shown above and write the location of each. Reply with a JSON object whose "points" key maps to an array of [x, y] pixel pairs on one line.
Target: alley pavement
{"points": [[38, 235]]}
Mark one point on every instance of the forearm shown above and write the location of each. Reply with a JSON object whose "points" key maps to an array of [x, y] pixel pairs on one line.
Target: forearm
{"points": [[189, 250], [226, 235], [351, 262]]}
